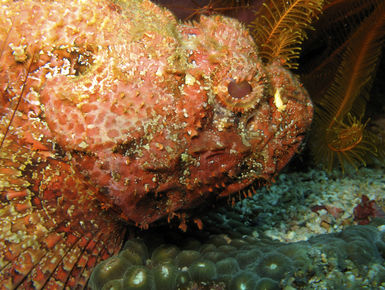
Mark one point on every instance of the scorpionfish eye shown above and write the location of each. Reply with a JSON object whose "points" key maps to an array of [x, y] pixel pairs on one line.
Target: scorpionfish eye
{"points": [[239, 90]]}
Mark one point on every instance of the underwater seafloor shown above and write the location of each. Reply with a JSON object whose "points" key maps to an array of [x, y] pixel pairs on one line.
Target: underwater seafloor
{"points": [[308, 230]]}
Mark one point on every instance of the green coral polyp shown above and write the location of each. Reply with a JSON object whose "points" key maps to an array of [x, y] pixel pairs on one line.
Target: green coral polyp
{"points": [[183, 279], [245, 258], [138, 247], [215, 256], [113, 285], [275, 266], [131, 257], [138, 278], [113, 268], [244, 281], [186, 258], [267, 284], [164, 253], [227, 266], [165, 276], [254, 264], [203, 271]]}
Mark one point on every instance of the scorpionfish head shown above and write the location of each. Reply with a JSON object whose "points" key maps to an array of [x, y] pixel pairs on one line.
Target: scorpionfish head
{"points": [[160, 116]]}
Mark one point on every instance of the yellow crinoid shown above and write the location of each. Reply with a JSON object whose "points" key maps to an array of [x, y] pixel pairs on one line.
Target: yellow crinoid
{"points": [[340, 85], [345, 142]]}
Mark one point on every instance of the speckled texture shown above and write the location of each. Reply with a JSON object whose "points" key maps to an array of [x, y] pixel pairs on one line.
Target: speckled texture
{"points": [[142, 105], [112, 110], [275, 238], [312, 203]]}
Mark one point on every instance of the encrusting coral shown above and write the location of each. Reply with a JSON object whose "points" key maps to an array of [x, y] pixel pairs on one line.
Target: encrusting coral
{"points": [[113, 111], [351, 258]]}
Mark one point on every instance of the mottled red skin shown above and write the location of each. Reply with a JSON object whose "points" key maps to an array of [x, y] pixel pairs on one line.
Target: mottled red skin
{"points": [[114, 110], [149, 122], [50, 237]]}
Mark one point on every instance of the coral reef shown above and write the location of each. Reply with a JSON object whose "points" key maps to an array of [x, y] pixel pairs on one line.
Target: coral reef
{"points": [[325, 248], [300, 208], [348, 259], [114, 111]]}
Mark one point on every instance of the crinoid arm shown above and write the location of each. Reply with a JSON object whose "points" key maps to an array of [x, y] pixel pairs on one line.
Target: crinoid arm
{"points": [[338, 134], [279, 28]]}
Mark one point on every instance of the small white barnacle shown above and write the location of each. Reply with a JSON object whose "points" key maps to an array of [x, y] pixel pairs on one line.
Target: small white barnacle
{"points": [[159, 72], [83, 145], [19, 52], [278, 101], [189, 79]]}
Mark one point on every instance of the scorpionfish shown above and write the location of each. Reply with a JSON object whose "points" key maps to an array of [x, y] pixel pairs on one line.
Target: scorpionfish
{"points": [[114, 112]]}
